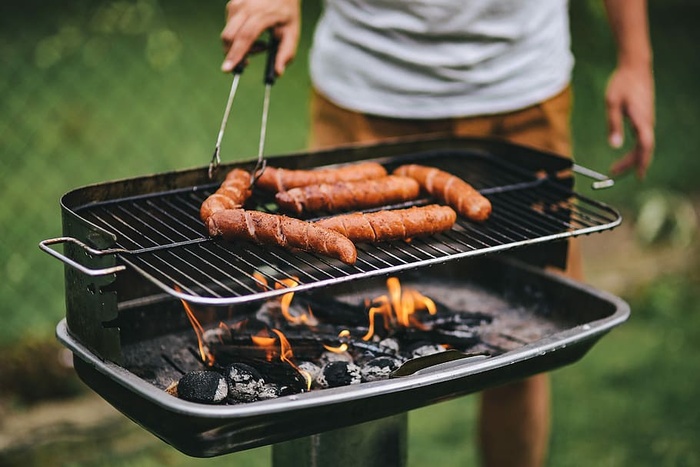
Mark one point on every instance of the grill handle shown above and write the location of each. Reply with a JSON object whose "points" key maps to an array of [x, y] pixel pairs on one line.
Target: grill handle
{"points": [[602, 181], [45, 245]]}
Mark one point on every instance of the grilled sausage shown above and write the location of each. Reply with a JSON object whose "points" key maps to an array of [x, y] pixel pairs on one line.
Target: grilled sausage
{"points": [[232, 193], [273, 229], [399, 224], [342, 196], [273, 179], [450, 189]]}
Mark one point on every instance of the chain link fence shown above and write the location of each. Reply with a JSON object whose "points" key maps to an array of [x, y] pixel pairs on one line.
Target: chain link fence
{"points": [[94, 91]]}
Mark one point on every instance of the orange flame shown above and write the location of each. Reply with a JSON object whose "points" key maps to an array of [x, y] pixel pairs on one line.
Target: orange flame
{"points": [[343, 346], [399, 307], [261, 281], [306, 318], [286, 355], [207, 357]]}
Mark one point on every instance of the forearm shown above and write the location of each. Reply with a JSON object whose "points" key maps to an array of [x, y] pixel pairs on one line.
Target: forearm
{"points": [[630, 26]]}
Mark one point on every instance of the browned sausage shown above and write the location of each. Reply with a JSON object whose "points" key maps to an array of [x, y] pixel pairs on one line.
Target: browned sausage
{"points": [[342, 196], [232, 193], [399, 224], [274, 179], [287, 232], [450, 189]]}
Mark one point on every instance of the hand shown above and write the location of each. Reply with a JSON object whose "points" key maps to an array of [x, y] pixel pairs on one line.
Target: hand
{"points": [[247, 19], [630, 94]]}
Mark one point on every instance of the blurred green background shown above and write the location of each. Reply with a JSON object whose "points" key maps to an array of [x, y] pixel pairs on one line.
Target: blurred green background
{"points": [[97, 90]]}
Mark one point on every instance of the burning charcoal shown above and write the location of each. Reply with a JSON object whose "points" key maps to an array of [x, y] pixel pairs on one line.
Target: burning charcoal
{"points": [[336, 374], [216, 335], [311, 368], [331, 310], [207, 387], [327, 357], [269, 391], [390, 344], [379, 368], [455, 337], [244, 382], [424, 348], [456, 320]]}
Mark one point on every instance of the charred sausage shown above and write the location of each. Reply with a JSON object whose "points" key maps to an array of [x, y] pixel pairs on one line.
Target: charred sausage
{"points": [[233, 193], [450, 189], [399, 224], [343, 196], [287, 232], [274, 179]]}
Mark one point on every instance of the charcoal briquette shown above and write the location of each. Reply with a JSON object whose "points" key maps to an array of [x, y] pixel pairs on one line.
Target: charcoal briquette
{"points": [[426, 349], [207, 387], [336, 374], [269, 391], [327, 357], [379, 368], [311, 368], [244, 382]]}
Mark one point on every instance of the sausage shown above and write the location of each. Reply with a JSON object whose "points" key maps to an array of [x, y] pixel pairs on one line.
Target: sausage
{"points": [[287, 232], [232, 194], [399, 224], [342, 196], [273, 179], [450, 189]]}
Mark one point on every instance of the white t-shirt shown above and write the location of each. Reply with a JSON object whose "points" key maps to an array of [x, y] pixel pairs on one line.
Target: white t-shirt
{"points": [[441, 58]]}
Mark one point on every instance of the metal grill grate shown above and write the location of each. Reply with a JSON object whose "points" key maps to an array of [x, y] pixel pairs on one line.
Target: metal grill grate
{"points": [[160, 234]]}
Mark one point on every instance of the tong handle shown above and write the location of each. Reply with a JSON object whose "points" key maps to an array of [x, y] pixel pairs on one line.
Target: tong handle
{"points": [[272, 47], [601, 180]]}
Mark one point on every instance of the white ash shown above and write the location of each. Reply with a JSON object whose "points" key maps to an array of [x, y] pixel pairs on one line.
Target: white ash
{"points": [[269, 391], [311, 368], [427, 349], [244, 382], [327, 357], [215, 336], [379, 368], [336, 374], [390, 344]]}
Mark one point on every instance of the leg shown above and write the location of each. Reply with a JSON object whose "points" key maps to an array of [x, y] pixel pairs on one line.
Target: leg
{"points": [[515, 418], [514, 423]]}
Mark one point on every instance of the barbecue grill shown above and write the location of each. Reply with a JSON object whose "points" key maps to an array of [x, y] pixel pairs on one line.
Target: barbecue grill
{"points": [[135, 249]]}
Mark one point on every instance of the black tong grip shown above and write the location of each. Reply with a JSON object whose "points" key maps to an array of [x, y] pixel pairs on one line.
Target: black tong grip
{"points": [[258, 46]]}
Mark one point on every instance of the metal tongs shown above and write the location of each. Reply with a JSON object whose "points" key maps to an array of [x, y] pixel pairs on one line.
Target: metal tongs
{"points": [[268, 79]]}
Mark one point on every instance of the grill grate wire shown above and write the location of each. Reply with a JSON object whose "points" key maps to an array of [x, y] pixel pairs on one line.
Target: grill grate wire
{"points": [[161, 236]]}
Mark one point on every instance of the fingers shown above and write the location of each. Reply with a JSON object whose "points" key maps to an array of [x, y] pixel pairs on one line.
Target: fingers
{"points": [[615, 121], [639, 158], [238, 38], [248, 19], [289, 39], [630, 96]]}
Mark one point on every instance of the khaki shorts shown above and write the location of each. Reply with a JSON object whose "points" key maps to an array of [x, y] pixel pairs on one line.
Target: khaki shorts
{"points": [[545, 126]]}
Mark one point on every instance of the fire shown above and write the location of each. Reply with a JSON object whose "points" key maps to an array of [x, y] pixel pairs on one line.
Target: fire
{"points": [[342, 335], [286, 355], [207, 357], [398, 308], [306, 318]]}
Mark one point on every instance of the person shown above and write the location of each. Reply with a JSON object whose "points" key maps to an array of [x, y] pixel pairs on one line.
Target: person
{"points": [[497, 68]]}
